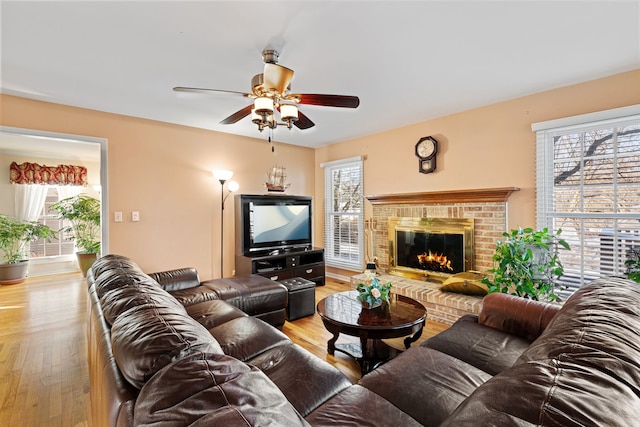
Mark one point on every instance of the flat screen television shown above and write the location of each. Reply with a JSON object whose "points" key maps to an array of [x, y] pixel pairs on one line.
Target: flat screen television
{"points": [[272, 223]]}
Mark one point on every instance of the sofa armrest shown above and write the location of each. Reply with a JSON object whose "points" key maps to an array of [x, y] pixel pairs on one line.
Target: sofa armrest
{"points": [[181, 278], [515, 315]]}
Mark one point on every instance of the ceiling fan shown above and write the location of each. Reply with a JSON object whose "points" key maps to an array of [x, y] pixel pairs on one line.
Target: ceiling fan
{"points": [[271, 92]]}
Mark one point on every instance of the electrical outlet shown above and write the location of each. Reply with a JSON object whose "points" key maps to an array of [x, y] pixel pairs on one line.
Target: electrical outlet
{"points": [[135, 216], [117, 217]]}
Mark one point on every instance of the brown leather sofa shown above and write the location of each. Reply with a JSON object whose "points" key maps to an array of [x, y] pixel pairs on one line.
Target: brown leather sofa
{"points": [[154, 360]]}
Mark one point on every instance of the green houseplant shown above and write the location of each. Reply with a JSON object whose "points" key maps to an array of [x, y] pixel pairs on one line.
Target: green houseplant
{"points": [[82, 213], [526, 264], [15, 235], [633, 264]]}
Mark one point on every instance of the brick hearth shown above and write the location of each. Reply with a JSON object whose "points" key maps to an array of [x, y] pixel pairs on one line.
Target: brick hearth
{"points": [[443, 307]]}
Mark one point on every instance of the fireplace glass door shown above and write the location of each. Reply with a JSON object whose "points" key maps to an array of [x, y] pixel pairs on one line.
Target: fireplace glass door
{"points": [[430, 247]]}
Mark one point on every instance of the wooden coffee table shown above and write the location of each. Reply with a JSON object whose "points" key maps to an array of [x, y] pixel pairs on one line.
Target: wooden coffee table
{"points": [[342, 313]]}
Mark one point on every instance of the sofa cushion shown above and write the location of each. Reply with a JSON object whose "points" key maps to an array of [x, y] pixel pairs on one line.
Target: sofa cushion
{"points": [[550, 393], [359, 407], [118, 278], [213, 389], [213, 313], [246, 337], [118, 300], [194, 295], [515, 315], [110, 261], [180, 278], [426, 384], [306, 381], [147, 338], [251, 293], [485, 348], [601, 319]]}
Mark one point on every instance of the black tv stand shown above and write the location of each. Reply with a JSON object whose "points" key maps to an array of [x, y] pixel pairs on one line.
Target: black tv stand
{"points": [[285, 264]]}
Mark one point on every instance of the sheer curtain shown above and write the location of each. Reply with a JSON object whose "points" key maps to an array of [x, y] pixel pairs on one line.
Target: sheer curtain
{"points": [[66, 191], [29, 200]]}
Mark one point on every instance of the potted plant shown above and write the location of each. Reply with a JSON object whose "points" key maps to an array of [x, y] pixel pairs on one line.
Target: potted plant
{"points": [[82, 213], [526, 264], [633, 264], [15, 234]]}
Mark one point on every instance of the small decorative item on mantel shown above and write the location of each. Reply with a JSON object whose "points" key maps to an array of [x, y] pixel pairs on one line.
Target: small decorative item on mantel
{"points": [[372, 293]]}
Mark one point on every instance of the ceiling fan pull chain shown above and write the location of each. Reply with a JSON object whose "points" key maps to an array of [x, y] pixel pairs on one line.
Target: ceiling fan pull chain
{"points": [[273, 149]]}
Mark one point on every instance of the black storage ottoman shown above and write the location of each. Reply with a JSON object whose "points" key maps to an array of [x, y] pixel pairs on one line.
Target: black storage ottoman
{"points": [[302, 297]]}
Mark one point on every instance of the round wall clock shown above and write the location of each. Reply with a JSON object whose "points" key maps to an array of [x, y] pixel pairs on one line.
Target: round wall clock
{"points": [[426, 150]]}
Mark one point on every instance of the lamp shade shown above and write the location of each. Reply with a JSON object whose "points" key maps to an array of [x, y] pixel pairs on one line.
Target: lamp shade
{"points": [[222, 175], [288, 112], [255, 117], [233, 186], [263, 105]]}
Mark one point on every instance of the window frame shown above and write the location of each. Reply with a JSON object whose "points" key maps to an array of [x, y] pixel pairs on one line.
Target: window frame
{"points": [[546, 214], [46, 217], [332, 259]]}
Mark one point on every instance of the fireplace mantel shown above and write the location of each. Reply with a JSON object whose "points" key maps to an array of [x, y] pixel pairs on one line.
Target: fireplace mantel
{"points": [[484, 195]]}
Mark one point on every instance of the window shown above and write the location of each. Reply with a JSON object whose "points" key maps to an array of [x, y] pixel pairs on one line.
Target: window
{"points": [[344, 213], [60, 245], [588, 183]]}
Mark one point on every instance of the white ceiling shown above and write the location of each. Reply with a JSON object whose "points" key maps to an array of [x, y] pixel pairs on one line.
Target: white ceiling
{"points": [[408, 61], [48, 148]]}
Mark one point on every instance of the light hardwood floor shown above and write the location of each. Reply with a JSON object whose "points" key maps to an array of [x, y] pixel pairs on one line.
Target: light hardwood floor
{"points": [[44, 378]]}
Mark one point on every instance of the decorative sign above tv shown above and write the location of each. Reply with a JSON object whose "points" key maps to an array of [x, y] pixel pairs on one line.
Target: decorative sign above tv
{"points": [[272, 223]]}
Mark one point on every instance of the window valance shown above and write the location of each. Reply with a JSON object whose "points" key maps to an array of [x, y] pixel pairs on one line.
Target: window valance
{"points": [[33, 173]]}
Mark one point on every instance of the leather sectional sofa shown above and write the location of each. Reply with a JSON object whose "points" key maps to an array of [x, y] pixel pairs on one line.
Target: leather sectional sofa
{"points": [[165, 349]]}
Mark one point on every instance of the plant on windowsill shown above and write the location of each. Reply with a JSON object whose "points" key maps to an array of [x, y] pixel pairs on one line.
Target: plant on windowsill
{"points": [[526, 264], [15, 235], [633, 264], [372, 293], [83, 214]]}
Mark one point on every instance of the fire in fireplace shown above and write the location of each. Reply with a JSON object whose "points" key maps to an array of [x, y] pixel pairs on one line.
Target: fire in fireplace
{"points": [[430, 247]]}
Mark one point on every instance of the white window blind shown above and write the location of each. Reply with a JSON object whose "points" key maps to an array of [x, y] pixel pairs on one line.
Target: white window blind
{"points": [[344, 214], [588, 185]]}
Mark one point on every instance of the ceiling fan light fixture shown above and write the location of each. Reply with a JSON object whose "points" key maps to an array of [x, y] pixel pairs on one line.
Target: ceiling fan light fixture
{"points": [[271, 92], [288, 112], [263, 105], [271, 121], [255, 117]]}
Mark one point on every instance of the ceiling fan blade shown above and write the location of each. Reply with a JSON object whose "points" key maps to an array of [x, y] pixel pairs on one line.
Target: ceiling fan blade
{"points": [[303, 122], [276, 77], [208, 91], [238, 115], [344, 101]]}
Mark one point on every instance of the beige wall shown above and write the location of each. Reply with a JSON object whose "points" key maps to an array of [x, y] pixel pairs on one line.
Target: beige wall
{"points": [[164, 172], [487, 147]]}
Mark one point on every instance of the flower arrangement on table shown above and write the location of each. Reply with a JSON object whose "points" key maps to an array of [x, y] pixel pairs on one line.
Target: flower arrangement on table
{"points": [[372, 292]]}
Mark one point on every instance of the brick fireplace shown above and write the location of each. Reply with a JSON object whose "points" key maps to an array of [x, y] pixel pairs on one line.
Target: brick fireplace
{"points": [[486, 207]]}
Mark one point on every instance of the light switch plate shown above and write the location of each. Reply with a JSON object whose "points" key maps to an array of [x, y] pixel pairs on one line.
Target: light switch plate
{"points": [[117, 217], [135, 216]]}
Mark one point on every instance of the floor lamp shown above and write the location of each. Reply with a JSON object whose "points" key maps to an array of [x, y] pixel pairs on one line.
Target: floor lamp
{"points": [[224, 176]]}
